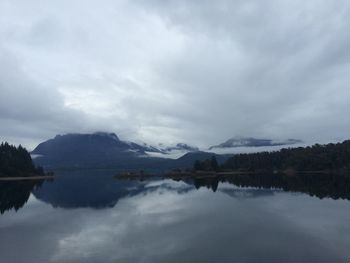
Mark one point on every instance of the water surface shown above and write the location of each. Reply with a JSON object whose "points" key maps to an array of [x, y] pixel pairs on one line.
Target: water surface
{"points": [[87, 216]]}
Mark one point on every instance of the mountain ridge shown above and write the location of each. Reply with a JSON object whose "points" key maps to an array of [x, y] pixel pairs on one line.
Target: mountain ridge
{"points": [[254, 142], [106, 150]]}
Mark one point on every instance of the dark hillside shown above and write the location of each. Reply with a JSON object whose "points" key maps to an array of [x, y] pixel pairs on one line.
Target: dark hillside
{"points": [[331, 157], [16, 161]]}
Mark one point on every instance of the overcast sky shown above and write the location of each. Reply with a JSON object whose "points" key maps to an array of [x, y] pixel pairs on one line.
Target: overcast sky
{"points": [[175, 71]]}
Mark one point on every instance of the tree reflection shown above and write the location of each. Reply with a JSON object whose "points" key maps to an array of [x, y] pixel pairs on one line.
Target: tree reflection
{"points": [[209, 182], [14, 194], [334, 186]]}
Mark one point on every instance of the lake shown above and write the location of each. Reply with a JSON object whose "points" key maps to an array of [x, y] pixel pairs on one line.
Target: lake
{"points": [[88, 216]]}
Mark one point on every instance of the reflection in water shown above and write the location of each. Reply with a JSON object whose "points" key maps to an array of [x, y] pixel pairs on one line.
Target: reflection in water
{"points": [[108, 220], [319, 185], [92, 189], [86, 191], [96, 189], [14, 194]]}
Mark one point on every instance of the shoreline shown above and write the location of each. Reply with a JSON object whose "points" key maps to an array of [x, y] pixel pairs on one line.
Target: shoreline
{"points": [[24, 178], [206, 174]]}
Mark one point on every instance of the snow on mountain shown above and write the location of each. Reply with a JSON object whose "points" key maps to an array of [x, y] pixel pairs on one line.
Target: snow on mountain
{"points": [[254, 142], [170, 151]]}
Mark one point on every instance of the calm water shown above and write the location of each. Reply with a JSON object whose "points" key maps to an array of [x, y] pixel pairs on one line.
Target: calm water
{"points": [[91, 217]]}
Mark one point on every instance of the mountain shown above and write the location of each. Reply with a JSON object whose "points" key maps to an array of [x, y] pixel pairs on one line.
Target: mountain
{"points": [[180, 147], [106, 150], [99, 149], [168, 149], [99, 142], [188, 159], [253, 142]]}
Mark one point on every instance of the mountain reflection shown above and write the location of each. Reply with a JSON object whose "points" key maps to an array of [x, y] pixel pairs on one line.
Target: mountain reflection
{"points": [[87, 191], [98, 190], [15, 194]]}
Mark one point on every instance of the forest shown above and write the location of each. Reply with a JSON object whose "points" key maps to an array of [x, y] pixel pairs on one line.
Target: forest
{"points": [[16, 162], [326, 158]]}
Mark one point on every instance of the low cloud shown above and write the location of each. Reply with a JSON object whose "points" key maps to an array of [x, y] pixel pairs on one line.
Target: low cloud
{"points": [[169, 71]]}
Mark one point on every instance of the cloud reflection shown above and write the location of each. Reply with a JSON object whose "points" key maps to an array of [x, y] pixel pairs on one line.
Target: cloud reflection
{"points": [[160, 224]]}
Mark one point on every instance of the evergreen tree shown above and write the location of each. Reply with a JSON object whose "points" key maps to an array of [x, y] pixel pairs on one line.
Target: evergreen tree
{"points": [[197, 165], [16, 161], [206, 165], [214, 164], [315, 158]]}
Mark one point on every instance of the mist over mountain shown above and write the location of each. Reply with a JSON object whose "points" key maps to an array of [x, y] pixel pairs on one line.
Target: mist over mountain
{"points": [[106, 150], [164, 149], [254, 142], [97, 143], [103, 143], [179, 147]]}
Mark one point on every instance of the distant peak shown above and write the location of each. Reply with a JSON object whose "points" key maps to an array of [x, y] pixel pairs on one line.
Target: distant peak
{"points": [[110, 135], [254, 142], [107, 134]]}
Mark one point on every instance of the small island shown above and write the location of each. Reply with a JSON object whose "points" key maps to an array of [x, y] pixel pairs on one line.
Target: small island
{"points": [[17, 164]]}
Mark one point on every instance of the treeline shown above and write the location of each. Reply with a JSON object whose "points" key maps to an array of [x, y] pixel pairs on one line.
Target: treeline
{"points": [[16, 161], [207, 165], [330, 157]]}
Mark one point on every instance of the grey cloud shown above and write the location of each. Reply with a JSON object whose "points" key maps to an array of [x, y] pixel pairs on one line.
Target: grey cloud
{"points": [[285, 60], [169, 71], [28, 109]]}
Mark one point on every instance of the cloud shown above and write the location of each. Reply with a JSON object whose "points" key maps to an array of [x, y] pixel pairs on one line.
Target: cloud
{"points": [[170, 71], [28, 109]]}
